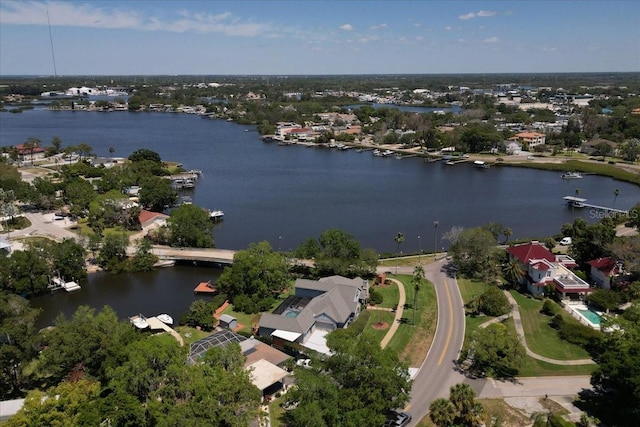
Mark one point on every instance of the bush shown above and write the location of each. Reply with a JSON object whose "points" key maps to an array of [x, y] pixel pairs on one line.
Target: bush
{"points": [[549, 308], [375, 297], [576, 333], [493, 302]]}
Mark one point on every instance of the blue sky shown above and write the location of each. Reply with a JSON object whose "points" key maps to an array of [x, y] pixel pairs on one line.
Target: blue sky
{"points": [[318, 37]]}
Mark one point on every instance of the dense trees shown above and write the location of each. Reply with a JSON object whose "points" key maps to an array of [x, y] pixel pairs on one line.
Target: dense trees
{"points": [[618, 374], [495, 351], [474, 252], [190, 226], [98, 370], [356, 386], [338, 252], [461, 409], [255, 279], [17, 342], [156, 194]]}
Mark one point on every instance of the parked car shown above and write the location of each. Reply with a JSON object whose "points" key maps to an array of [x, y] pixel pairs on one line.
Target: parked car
{"points": [[566, 241], [397, 419]]}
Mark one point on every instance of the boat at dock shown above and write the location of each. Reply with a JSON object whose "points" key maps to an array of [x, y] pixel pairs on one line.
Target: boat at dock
{"points": [[481, 164], [58, 283], [571, 175], [216, 215], [165, 318], [139, 321]]}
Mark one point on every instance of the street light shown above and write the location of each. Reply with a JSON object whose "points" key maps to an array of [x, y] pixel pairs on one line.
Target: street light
{"points": [[435, 239], [420, 253]]}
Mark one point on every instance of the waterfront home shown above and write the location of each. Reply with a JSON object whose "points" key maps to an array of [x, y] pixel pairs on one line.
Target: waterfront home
{"points": [[542, 268], [316, 308], [514, 148], [28, 153], [529, 140], [264, 362], [150, 219], [606, 272], [591, 147]]}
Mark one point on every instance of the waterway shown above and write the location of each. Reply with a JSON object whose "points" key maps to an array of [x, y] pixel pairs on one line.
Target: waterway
{"points": [[285, 194]]}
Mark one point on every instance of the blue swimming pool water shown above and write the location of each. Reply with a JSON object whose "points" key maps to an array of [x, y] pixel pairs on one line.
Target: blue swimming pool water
{"points": [[291, 313], [590, 315]]}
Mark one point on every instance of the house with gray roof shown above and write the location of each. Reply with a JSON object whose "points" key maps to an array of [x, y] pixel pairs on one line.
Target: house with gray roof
{"points": [[317, 305]]}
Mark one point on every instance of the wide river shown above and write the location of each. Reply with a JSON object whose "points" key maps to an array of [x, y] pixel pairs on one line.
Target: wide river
{"points": [[287, 194]]}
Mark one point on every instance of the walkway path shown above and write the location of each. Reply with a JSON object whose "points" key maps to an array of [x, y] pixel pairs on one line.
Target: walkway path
{"points": [[399, 311], [515, 312], [155, 323]]}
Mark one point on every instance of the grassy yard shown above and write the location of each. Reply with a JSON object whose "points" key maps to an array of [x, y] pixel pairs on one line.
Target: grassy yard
{"points": [[470, 289], [389, 294], [189, 334], [410, 342], [542, 338], [369, 318]]}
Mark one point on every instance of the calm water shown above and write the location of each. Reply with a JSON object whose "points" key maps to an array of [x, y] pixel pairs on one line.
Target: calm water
{"points": [[286, 194]]}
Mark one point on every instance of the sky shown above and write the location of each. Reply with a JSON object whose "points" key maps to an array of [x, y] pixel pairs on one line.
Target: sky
{"points": [[245, 37]]}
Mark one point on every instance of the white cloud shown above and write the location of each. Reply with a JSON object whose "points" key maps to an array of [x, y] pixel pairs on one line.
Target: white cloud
{"points": [[346, 27], [448, 28], [70, 14], [490, 40], [480, 14], [419, 38], [379, 27], [549, 49]]}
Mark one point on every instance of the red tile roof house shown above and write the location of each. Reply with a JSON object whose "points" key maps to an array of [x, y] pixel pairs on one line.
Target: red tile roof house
{"points": [[543, 268], [29, 154], [606, 272], [148, 219]]}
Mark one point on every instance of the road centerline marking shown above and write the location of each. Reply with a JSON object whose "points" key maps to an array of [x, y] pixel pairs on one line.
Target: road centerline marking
{"points": [[450, 331]]}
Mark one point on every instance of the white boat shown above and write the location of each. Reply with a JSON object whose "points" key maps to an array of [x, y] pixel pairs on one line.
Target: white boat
{"points": [[386, 153], [571, 175], [165, 318], [139, 321], [216, 215], [481, 164], [377, 153]]}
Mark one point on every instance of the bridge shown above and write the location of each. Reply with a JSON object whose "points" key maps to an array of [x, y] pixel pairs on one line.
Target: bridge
{"points": [[220, 256]]}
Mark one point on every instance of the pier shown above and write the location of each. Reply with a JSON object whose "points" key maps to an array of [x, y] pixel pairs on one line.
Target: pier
{"points": [[578, 202]]}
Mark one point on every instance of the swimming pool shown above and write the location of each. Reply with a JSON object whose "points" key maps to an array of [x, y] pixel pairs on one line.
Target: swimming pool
{"points": [[291, 313], [586, 315], [590, 315]]}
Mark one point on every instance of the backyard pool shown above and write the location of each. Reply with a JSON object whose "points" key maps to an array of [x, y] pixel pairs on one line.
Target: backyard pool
{"points": [[586, 315]]}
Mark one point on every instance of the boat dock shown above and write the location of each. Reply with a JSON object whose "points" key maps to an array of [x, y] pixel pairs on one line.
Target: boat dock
{"points": [[57, 283], [205, 288], [578, 202]]}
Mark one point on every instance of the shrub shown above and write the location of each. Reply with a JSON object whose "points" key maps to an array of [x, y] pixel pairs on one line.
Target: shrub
{"points": [[576, 333], [375, 297], [549, 308], [493, 302]]}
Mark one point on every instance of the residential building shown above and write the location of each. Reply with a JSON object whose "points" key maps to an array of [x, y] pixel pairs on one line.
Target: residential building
{"points": [[606, 272], [542, 268], [316, 308], [529, 140], [590, 147]]}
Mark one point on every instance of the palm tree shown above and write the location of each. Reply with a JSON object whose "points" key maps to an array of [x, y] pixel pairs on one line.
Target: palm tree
{"points": [[616, 193], [398, 239], [418, 276], [507, 233], [442, 412], [513, 271]]}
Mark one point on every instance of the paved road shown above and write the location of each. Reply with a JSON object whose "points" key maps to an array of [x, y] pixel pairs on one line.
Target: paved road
{"points": [[45, 225], [437, 373]]}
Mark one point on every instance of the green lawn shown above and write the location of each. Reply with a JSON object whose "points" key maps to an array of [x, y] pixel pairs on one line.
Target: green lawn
{"points": [[389, 294], [411, 343], [370, 317], [542, 338]]}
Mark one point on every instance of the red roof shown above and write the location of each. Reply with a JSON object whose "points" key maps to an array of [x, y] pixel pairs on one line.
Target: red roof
{"points": [[148, 215], [606, 265], [528, 251], [541, 266], [22, 149]]}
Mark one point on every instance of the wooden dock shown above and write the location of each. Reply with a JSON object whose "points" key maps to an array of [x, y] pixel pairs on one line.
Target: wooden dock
{"points": [[578, 202], [205, 288]]}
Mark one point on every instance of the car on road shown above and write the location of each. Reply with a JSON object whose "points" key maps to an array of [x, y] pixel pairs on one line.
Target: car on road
{"points": [[397, 419], [566, 241]]}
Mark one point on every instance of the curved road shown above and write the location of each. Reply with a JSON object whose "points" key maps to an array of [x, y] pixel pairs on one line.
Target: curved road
{"points": [[437, 373]]}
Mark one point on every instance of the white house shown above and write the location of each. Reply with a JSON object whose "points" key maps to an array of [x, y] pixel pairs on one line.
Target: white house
{"points": [[606, 271], [529, 139], [542, 268]]}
